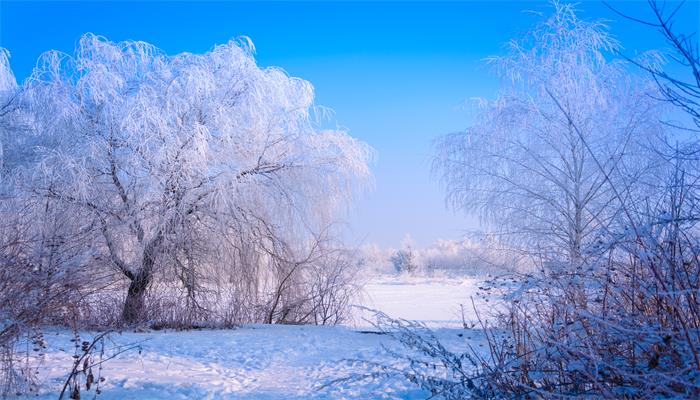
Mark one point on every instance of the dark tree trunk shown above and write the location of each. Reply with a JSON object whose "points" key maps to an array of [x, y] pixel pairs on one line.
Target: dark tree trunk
{"points": [[134, 306]]}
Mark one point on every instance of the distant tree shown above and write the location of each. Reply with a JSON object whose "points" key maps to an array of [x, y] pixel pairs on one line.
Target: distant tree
{"points": [[184, 164], [405, 259], [538, 162]]}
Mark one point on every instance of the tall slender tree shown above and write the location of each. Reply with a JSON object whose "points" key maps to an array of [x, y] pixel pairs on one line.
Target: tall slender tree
{"points": [[541, 161]]}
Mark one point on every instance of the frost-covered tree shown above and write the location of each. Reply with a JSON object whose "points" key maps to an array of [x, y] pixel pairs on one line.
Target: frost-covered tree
{"points": [[184, 163], [404, 259], [541, 161], [8, 94]]}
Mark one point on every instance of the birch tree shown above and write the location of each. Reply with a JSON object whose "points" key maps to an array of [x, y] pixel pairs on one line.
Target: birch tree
{"points": [[539, 163]]}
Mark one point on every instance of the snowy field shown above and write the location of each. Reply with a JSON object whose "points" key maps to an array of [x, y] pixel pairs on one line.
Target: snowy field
{"points": [[273, 362], [436, 302]]}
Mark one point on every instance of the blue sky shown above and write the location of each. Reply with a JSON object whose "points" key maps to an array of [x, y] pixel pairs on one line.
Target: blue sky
{"points": [[397, 74]]}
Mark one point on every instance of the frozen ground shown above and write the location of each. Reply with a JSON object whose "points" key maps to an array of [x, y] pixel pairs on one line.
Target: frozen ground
{"points": [[436, 302], [272, 362]]}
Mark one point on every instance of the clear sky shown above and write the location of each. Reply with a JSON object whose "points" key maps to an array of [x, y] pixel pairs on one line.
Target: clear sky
{"points": [[397, 74]]}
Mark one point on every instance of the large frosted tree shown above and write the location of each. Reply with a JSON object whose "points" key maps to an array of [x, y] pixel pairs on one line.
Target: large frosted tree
{"points": [[547, 162], [178, 161]]}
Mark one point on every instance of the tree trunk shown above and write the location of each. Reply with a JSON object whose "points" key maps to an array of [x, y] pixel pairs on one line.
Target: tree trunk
{"points": [[134, 306]]}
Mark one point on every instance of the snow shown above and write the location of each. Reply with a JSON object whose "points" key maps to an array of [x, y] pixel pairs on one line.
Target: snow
{"points": [[437, 302], [272, 361]]}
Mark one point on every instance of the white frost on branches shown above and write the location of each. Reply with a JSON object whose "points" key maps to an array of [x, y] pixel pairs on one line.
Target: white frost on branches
{"points": [[539, 161], [184, 161]]}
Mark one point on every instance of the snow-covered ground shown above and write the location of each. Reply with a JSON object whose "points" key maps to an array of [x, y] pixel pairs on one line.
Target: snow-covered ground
{"points": [[273, 362], [436, 302]]}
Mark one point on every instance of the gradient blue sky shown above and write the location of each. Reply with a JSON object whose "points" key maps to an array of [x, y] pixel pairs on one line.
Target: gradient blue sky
{"points": [[397, 74]]}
